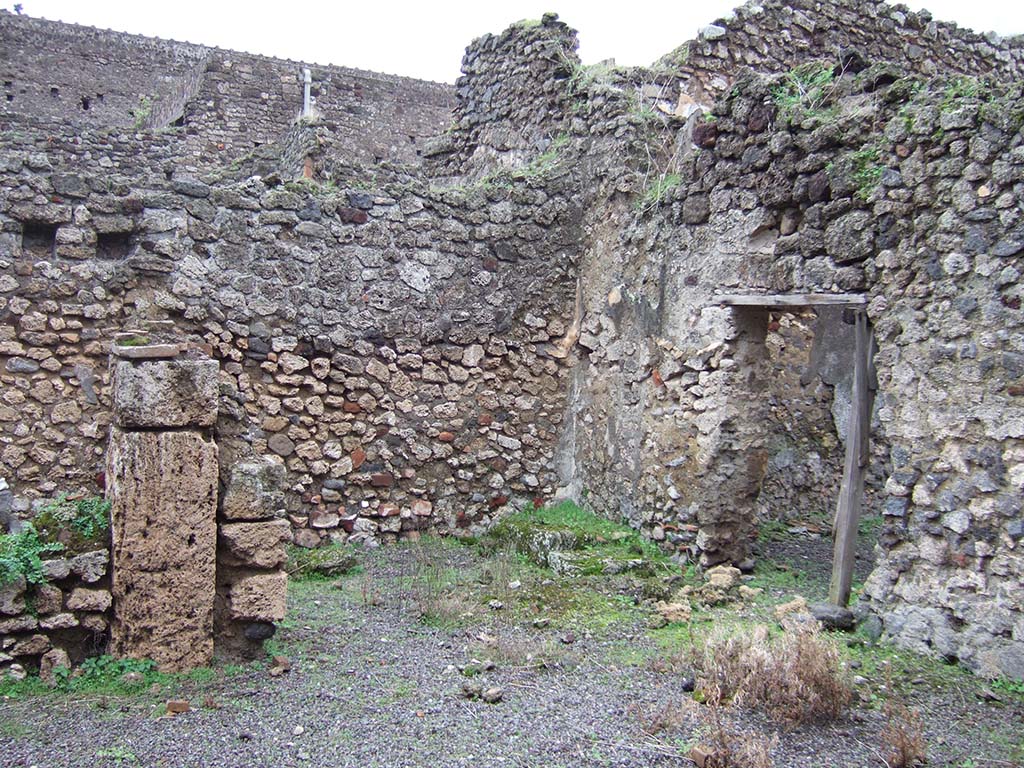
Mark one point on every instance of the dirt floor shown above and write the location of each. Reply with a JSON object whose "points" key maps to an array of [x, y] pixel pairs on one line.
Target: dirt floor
{"points": [[390, 665]]}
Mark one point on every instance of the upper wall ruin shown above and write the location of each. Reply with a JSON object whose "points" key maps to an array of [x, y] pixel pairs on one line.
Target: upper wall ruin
{"points": [[223, 104]]}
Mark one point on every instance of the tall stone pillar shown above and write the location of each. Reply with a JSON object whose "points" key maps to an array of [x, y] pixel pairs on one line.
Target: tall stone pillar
{"points": [[162, 482], [732, 457]]}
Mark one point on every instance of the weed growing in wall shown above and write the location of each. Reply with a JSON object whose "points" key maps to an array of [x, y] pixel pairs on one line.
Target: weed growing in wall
{"points": [[65, 525], [141, 113], [21, 556], [321, 189], [545, 162], [77, 524], [808, 91], [959, 90], [867, 171], [538, 169], [658, 190]]}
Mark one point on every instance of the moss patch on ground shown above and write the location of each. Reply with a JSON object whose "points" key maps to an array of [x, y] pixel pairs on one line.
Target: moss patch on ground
{"points": [[572, 540]]}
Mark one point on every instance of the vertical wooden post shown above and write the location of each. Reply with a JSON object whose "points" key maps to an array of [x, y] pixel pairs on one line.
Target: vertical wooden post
{"points": [[855, 465]]}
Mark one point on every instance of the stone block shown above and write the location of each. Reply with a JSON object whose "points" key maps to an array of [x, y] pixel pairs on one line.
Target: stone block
{"points": [[165, 393], [306, 538], [90, 567], [163, 489], [255, 491], [259, 596], [49, 599], [12, 597], [52, 660], [59, 621], [165, 616], [95, 600], [34, 645], [257, 545], [94, 622], [55, 570], [23, 623]]}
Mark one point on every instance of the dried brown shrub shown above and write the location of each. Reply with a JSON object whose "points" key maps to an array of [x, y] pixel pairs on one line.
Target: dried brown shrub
{"points": [[795, 678], [722, 743], [731, 747], [903, 744]]}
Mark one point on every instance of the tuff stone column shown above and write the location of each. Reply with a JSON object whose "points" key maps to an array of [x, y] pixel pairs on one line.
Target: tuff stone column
{"points": [[162, 481]]}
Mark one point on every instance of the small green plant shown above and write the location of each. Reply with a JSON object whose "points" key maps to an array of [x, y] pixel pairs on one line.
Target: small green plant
{"points": [[960, 89], [677, 58], [120, 755], [21, 556], [432, 584], [870, 525], [322, 562], [586, 77], [133, 341], [544, 163], [106, 674], [772, 530], [321, 189], [1006, 685], [658, 190], [100, 675], [142, 112], [867, 171], [806, 91], [78, 524]]}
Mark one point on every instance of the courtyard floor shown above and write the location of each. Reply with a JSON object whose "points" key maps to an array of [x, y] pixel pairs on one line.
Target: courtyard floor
{"points": [[388, 664]]}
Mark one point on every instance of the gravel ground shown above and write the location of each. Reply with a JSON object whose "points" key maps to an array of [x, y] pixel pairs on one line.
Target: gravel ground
{"points": [[372, 684]]}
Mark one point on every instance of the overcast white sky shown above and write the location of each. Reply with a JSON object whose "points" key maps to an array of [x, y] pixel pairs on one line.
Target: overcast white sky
{"points": [[427, 39]]}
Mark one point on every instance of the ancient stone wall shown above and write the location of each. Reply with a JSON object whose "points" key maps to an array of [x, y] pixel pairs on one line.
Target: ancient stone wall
{"points": [[774, 37], [394, 351], [227, 103], [59, 621], [512, 99], [912, 200], [538, 311], [803, 445], [89, 76]]}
